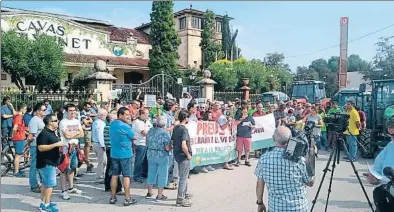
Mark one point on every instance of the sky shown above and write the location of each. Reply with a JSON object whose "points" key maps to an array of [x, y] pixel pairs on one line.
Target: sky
{"points": [[291, 28]]}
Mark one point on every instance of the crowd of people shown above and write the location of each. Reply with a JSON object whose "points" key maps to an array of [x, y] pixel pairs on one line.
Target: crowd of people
{"points": [[143, 143]]}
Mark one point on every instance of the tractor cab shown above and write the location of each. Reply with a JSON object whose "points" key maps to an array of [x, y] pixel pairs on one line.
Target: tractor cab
{"points": [[274, 97], [361, 99], [309, 91]]}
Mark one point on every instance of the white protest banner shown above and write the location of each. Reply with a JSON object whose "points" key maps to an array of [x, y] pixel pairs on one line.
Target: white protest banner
{"points": [[211, 145], [150, 100], [183, 102], [115, 93]]}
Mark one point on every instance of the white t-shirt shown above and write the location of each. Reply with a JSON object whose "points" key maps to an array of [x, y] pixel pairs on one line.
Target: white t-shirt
{"points": [[139, 126], [70, 126]]}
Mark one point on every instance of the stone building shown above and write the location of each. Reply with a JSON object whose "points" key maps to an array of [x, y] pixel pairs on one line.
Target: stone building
{"points": [[86, 40]]}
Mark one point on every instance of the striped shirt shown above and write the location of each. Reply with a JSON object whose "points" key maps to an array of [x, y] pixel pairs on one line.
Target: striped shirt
{"points": [[107, 142]]}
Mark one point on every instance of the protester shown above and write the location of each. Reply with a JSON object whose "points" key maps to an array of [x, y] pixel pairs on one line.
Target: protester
{"points": [[158, 149], [28, 116], [314, 117], [86, 123], [363, 118], [141, 127], [352, 131], [282, 176], [244, 137], [70, 131], [259, 111], [36, 124], [182, 155], [107, 182], [48, 145], [280, 116], [99, 143], [121, 137], [19, 138], [48, 106], [7, 113]]}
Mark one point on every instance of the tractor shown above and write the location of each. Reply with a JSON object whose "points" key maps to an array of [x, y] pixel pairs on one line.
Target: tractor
{"points": [[309, 91], [361, 99], [274, 97], [381, 108]]}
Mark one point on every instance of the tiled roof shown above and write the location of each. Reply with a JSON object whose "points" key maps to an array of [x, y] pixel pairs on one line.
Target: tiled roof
{"points": [[78, 58], [121, 34], [111, 60]]}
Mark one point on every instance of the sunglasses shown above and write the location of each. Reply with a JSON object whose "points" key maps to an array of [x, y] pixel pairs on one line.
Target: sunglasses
{"points": [[43, 109], [55, 120]]}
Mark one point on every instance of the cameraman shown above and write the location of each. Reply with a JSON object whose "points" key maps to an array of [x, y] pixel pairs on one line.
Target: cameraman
{"points": [[382, 198], [286, 180]]}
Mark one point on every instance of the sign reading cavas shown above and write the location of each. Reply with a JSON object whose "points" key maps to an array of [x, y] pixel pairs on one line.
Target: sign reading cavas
{"points": [[75, 38]]}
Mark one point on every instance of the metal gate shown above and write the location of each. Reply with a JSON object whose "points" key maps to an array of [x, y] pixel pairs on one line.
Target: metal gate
{"points": [[160, 85]]}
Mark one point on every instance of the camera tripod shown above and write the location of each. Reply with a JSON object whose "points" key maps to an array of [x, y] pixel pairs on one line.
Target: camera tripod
{"points": [[334, 158]]}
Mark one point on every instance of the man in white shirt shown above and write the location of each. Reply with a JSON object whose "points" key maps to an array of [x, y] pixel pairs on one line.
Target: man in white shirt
{"points": [[98, 143], [70, 131], [140, 127]]}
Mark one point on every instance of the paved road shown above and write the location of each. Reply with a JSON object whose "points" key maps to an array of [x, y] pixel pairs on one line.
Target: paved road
{"points": [[218, 191]]}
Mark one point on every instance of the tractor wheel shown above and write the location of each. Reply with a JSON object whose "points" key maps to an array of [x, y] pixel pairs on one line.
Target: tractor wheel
{"points": [[365, 141]]}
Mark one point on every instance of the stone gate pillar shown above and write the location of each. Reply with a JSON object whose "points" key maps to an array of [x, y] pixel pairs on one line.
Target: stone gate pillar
{"points": [[101, 80], [245, 89], [207, 85]]}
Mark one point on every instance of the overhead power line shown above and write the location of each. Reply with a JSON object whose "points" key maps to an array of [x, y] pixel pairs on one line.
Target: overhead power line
{"points": [[351, 41]]}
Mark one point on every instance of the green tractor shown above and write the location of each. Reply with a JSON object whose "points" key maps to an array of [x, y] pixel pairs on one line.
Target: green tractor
{"points": [[381, 108]]}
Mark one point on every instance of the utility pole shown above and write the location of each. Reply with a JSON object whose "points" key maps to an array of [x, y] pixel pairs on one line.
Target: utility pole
{"points": [[343, 50]]}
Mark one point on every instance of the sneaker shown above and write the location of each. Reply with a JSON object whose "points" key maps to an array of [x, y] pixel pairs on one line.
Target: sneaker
{"points": [[183, 203], [19, 174], [65, 195], [89, 168], [42, 205], [188, 196], [161, 198], [247, 163], [130, 201], [36, 189], [138, 180], [204, 170], [74, 191], [112, 200], [210, 168], [49, 208], [149, 196]]}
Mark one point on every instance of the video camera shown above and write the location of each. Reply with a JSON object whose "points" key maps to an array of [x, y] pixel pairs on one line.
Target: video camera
{"points": [[389, 173], [309, 127], [337, 122]]}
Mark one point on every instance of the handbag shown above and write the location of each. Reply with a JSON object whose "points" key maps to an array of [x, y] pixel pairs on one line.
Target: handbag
{"points": [[80, 156], [64, 162]]}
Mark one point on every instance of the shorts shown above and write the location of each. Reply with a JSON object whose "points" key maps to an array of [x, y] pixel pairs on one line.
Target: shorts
{"points": [[244, 144], [73, 160], [88, 138], [121, 166], [48, 176], [19, 147]]}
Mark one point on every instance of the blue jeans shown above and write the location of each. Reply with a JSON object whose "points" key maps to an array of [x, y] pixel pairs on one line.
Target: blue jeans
{"points": [[33, 179], [158, 171], [173, 173], [352, 145], [324, 141], [140, 153], [48, 174]]}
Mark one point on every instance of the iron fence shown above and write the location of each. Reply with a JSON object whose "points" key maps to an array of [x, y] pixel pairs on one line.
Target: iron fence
{"points": [[228, 95], [57, 99]]}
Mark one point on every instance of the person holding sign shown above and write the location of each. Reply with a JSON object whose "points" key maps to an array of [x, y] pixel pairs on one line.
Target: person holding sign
{"points": [[244, 136]]}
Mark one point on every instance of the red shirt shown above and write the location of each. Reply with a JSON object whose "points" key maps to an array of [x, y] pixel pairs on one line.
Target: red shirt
{"points": [[20, 134], [257, 114]]}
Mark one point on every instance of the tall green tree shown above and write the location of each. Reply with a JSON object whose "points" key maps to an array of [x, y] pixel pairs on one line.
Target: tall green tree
{"points": [[383, 63], [209, 46], [164, 40], [226, 35], [39, 59]]}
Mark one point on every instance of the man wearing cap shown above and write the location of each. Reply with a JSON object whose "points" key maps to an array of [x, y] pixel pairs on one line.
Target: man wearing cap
{"points": [[238, 114]]}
